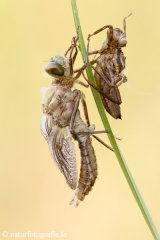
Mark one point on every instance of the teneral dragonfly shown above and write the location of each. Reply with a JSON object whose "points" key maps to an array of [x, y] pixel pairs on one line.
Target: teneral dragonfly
{"points": [[61, 123]]}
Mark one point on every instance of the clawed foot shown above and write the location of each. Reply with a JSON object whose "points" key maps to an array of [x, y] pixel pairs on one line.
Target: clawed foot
{"points": [[124, 79]]}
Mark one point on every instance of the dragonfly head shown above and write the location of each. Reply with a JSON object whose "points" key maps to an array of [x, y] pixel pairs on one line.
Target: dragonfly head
{"points": [[119, 38], [54, 69], [59, 69]]}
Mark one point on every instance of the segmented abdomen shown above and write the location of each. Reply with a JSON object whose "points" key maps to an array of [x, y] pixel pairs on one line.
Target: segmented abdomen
{"points": [[88, 171], [112, 108]]}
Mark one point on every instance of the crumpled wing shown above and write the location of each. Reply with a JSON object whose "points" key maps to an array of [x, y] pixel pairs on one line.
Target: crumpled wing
{"points": [[62, 149]]}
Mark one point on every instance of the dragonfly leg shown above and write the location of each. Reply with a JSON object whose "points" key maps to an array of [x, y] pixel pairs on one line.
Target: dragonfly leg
{"points": [[72, 58], [83, 133], [88, 123]]}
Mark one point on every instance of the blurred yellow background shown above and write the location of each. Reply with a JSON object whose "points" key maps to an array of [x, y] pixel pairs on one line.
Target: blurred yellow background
{"points": [[34, 194]]}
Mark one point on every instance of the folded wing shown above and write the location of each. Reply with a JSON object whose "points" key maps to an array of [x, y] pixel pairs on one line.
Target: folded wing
{"points": [[62, 149]]}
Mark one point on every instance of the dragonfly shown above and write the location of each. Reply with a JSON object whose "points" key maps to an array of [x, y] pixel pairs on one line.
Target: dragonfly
{"points": [[61, 124]]}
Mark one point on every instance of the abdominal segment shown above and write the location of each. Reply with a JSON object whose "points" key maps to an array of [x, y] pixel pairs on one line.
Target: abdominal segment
{"points": [[88, 170]]}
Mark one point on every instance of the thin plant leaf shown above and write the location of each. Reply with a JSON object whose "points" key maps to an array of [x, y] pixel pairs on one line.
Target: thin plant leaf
{"points": [[113, 142]]}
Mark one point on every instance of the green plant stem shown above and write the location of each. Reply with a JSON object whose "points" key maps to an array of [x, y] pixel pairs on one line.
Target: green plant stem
{"points": [[113, 142]]}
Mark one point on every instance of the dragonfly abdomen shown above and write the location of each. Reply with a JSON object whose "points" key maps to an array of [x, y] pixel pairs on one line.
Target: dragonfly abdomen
{"points": [[88, 171]]}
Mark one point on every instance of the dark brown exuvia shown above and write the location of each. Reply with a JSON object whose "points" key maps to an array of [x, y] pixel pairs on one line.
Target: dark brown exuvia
{"points": [[109, 67]]}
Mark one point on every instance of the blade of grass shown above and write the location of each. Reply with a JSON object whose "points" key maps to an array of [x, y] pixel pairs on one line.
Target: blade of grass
{"points": [[113, 142]]}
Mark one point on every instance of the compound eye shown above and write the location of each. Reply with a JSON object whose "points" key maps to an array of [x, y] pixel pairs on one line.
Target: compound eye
{"points": [[122, 42], [54, 69]]}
